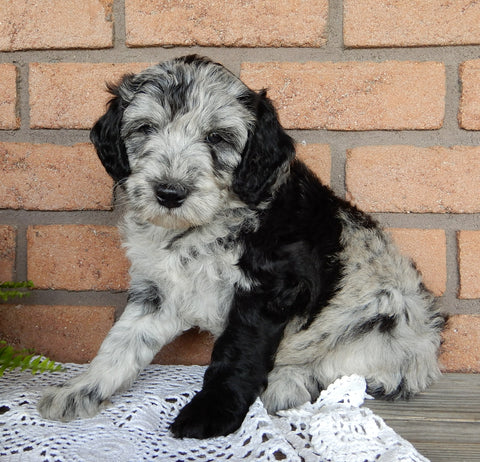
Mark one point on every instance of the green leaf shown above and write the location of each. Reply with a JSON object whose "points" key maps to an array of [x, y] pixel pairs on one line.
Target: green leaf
{"points": [[24, 359]]}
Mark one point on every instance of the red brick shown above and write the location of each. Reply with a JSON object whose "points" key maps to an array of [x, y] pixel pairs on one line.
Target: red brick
{"points": [[428, 249], [63, 333], [469, 112], [76, 257], [263, 23], [394, 95], [414, 179], [7, 252], [55, 24], [381, 23], [461, 347], [317, 157], [469, 264], [72, 95], [51, 177], [193, 347], [8, 97]]}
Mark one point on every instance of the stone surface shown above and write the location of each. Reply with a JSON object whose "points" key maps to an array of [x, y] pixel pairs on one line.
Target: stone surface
{"points": [[380, 23], [469, 112], [239, 23], [428, 249], [469, 264], [193, 347], [8, 97], [46, 24], [52, 177], [7, 252], [413, 179], [317, 157], [63, 333], [397, 95], [72, 95], [76, 257], [461, 347]]}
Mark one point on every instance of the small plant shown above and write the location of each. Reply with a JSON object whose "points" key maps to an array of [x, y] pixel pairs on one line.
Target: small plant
{"points": [[10, 358], [10, 289], [25, 359]]}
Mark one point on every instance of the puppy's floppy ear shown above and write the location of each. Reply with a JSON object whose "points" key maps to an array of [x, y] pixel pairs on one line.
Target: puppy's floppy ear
{"points": [[267, 154], [105, 136]]}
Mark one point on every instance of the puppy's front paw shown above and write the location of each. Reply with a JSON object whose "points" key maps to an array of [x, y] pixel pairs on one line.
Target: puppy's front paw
{"points": [[206, 416], [69, 402]]}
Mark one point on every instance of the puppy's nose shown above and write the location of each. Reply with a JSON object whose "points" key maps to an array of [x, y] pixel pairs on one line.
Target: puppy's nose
{"points": [[170, 196]]}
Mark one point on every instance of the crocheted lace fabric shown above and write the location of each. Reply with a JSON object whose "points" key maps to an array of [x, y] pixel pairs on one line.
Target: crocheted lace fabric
{"points": [[135, 427]]}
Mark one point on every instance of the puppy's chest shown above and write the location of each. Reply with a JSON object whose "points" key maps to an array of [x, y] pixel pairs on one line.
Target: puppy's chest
{"points": [[197, 275]]}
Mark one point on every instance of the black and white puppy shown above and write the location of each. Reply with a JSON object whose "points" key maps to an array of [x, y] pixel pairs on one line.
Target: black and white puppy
{"points": [[227, 231]]}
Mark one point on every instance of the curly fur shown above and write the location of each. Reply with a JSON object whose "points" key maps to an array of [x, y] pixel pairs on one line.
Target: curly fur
{"points": [[227, 231]]}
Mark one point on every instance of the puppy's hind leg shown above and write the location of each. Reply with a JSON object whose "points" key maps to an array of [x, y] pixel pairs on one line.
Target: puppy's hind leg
{"points": [[129, 347], [289, 387]]}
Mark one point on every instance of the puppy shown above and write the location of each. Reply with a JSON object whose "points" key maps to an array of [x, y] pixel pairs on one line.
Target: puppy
{"points": [[227, 231]]}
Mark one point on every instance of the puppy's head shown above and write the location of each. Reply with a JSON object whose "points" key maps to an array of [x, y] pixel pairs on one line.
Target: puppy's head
{"points": [[188, 140]]}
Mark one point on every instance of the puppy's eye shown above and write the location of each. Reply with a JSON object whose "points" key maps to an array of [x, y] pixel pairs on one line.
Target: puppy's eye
{"points": [[146, 129], [214, 138]]}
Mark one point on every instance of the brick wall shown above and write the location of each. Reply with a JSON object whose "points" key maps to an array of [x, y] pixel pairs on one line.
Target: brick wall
{"points": [[382, 97]]}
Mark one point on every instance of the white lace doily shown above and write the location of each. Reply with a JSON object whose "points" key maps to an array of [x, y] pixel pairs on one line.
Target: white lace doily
{"points": [[135, 427]]}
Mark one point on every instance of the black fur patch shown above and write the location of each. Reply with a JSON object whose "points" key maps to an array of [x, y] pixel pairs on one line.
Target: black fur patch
{"points": [[241, 359], [384, 323], [83, 398], [378, 392], [105, 135], [268, 149], [147, 294], [92, 394], [293, 253]]}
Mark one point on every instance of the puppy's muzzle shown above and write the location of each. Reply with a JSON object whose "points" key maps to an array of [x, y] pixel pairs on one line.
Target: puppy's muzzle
{"points": [[170, 196]]}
